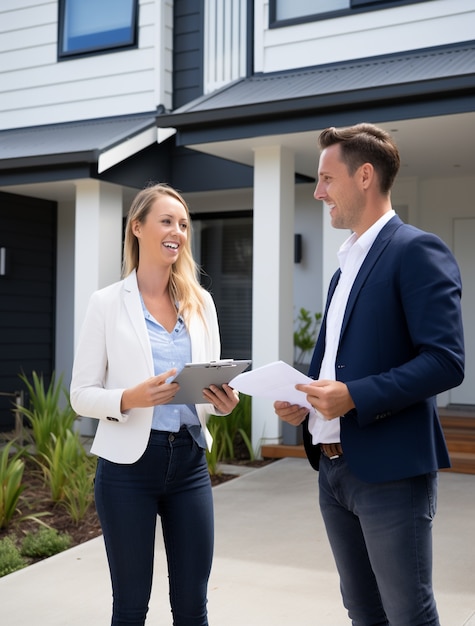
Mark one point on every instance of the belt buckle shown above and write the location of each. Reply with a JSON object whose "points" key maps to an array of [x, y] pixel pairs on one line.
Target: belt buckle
{"points": [[328, 448]]}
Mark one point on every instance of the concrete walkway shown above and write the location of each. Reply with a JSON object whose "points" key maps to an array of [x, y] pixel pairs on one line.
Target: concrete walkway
{"points": [[272, 564]]}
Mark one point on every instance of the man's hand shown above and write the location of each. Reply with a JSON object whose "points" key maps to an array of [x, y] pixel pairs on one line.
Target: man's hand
{"points": [[331, 398], [291, 413]]}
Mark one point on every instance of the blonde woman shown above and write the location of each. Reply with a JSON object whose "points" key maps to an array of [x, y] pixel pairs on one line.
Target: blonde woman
{"points": [[137, 335]]}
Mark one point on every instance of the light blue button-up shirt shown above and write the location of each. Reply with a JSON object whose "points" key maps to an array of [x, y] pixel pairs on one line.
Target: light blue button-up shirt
{"points": [[172, 350]]}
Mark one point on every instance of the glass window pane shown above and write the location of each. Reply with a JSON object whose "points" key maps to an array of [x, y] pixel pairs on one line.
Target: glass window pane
{"points": [[91, 24], [291, 9]]}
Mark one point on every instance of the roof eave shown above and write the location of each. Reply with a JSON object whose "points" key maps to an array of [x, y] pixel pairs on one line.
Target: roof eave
{"points": [[411, 91], [88, 158]]}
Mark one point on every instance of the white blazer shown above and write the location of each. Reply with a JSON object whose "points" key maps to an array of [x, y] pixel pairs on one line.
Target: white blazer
{"points": [[114, 353]]}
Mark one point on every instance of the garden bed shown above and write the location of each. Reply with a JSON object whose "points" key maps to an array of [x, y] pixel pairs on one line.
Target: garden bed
{"points": [[36, 501]]}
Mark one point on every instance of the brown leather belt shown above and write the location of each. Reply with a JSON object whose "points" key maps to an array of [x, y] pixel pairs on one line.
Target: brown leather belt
{"points": [[331, 450]]}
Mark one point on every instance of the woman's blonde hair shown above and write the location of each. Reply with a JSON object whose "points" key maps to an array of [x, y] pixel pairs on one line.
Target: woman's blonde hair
{"points": [[184, 287]]}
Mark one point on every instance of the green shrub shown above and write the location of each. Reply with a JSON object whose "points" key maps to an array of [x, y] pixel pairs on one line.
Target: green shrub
{"points": [[67, 469], [44, 414], [10, 558], [45, 542], [60, 461], [212, 456], [229, 431], [78, 490], [11, 474]]}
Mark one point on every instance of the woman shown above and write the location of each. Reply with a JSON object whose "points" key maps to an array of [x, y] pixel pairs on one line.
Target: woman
{"points": [[137, 334]]}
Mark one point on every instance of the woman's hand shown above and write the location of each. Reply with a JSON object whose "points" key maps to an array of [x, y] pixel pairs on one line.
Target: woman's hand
{"points": [[223, 398], [291, 413], [151, 392]]}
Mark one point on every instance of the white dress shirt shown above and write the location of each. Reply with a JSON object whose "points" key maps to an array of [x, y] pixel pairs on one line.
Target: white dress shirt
{"points": [[351, 255]]}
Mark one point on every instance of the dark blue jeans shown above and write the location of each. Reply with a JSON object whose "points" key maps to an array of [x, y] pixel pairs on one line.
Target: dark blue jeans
{"points": [[381, 538], [171, 480]]}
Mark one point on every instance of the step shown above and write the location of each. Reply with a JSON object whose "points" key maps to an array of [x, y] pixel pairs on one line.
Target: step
{"points": [[462, 462], [281, 451], [460, 443], [459, 430], [459, 417]]}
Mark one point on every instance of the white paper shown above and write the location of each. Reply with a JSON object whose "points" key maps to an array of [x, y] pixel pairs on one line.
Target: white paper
{"points": [[276, 380]]}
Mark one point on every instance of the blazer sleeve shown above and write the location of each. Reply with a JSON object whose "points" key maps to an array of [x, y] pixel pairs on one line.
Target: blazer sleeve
{"points": [[409, 344], [88, 393]]}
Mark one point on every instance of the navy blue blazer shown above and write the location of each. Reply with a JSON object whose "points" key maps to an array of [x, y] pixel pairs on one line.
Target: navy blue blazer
{"points": [[401, 344]]}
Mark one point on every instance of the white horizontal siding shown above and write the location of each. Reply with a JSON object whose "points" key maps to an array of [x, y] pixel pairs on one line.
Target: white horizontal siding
{"points": [[23, 59], [89, 93], [20, 25], [37, 89], [15, 5], [383, 31], [55, 76]]}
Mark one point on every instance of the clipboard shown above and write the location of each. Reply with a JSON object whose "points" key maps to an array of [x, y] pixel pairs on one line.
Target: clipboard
{"points": [[195, 377]]}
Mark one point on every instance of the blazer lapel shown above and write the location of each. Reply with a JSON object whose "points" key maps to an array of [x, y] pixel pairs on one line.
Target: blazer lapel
{"points": [[134, 309], [319, 349], [380, 243]]}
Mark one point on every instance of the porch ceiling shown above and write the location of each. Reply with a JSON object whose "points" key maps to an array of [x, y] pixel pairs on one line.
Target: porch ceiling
{"points": [[440, 146]]}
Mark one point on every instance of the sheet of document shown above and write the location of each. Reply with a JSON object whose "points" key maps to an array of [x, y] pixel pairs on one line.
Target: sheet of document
{"points": [[276, 381]]}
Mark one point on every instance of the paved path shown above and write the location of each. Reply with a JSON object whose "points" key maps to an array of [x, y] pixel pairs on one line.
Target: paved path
{"points": [[272, 565]]}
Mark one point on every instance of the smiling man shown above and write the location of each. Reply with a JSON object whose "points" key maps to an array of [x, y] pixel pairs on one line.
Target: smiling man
{"points": [[390, 341]]}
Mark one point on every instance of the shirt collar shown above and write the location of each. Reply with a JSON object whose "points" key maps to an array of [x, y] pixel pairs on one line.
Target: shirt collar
{"points": [[366, 240]]}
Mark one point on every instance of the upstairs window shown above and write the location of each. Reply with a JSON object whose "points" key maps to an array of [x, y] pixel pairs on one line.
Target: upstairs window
{"points": [[96, 26], [285, 12]]}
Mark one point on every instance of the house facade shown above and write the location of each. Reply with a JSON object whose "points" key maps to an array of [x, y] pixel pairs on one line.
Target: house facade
{"points": [[224, 99]]}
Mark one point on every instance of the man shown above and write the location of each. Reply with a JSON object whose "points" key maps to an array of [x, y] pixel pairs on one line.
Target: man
{"points": [[391, 340]]}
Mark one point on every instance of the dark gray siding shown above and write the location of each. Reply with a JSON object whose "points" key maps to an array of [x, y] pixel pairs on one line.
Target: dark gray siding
{"points": [[187, 51], [27, 294]]}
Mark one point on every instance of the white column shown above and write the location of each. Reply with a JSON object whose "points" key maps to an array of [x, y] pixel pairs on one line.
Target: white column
{"points": [[273, 265], [64, 345], [98, 242], [97, 250]]}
